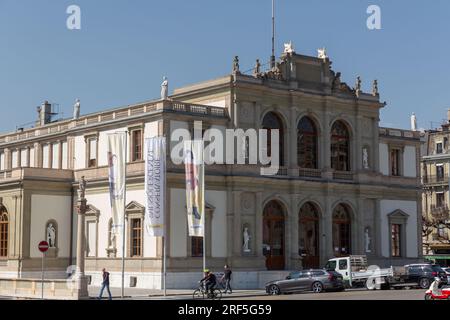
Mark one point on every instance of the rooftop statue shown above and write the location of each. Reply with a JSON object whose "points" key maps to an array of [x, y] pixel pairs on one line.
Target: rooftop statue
{"points": [[289, 48]]}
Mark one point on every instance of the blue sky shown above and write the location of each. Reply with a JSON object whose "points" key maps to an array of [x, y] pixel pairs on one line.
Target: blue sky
{"points": [[125, 47]]}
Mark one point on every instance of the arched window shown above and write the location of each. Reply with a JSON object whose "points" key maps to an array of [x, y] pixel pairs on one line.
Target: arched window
{"points": [[308, 237], [307, 144], [4, 229], [341, 230], [340, 147], [272, 122]]}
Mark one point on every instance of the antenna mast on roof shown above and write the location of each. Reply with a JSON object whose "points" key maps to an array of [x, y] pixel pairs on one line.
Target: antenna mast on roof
{"points": [[272, 58]]}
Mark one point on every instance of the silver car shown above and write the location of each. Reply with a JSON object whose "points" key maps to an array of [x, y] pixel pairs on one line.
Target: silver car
{"points": [[315, 280]]}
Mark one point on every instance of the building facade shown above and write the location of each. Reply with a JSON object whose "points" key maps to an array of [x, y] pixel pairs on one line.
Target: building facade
{"points": [[345, 186], [435, 197]]}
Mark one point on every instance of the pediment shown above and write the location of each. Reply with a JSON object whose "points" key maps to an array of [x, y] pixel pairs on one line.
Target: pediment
{"points": [[398, 214], [135, 206]]}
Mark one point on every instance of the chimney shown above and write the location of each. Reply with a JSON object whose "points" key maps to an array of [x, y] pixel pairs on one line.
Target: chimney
{"points": [[45, 113]]}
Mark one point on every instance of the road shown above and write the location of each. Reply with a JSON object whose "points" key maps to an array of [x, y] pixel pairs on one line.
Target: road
{"points": [[352, 294]]}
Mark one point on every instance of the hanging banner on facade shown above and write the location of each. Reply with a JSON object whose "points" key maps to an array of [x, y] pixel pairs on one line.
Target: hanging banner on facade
{"points": [[195, 187], [155, 185], [117, 166]]}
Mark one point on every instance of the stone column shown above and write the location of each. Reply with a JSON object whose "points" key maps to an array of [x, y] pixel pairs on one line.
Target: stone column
{"points": [[359, 227], [237, 248], [325, 141], [357, 162], [376, 146], [293, 163], [327, 236], [81, 279], [259, 225], [376, 235]]}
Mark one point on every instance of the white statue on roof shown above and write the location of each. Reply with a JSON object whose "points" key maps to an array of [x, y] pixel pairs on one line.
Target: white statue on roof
{"points": [[413, 122], [165, 89], [322, 53], [289, 47]]}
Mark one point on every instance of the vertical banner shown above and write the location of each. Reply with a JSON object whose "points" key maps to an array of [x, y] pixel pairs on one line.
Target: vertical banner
{"points": [[117, 167], [195, 187], [155, 185]]}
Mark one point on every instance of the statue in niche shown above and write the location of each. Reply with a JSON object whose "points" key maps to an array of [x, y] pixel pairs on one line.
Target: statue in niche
{"points": [[367, 240], [51, 235], [246, 245]]}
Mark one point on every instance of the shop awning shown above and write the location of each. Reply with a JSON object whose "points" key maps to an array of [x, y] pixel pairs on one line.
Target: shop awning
{"points": [[437, 257]]}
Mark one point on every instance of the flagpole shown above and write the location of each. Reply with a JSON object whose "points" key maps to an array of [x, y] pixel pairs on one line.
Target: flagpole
{"points": [[123, 220], [165, 224]]}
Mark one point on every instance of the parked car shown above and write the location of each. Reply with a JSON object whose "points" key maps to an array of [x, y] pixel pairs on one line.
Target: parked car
{"points": [[424, 274], [315, 280], [447, 271]]}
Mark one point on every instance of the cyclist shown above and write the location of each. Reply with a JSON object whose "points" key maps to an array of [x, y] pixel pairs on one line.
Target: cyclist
{"points": [[210, 281]]}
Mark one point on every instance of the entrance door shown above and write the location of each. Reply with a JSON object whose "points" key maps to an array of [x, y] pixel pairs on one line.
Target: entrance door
{"points": [[273, 236], [341, 231], [309, 236]]}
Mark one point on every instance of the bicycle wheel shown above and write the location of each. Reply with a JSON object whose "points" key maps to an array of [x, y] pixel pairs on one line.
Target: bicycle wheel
{"points": [[217, 294], [198, 294]]}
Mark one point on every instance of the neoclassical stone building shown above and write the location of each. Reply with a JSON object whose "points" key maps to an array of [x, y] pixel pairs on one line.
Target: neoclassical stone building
{"points": [[346, 186]]}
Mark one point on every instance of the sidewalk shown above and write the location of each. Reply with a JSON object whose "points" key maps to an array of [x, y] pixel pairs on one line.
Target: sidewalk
{"points": [[136, 293]]}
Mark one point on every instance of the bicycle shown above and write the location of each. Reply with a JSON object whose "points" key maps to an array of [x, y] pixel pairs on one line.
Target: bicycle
{"points": [[201, 293]]}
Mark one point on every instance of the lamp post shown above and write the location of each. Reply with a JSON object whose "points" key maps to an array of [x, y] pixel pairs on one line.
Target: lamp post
{"points": [[81, 279]]}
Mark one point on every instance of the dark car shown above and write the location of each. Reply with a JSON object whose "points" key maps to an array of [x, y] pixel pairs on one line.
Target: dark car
{"points": [[315, 280], [424, 274]]}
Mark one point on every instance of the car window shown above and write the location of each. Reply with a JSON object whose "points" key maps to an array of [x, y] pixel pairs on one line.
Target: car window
{"points": [[318, 273], [304, 275], [331, 265], [427, 269], [294, 275], [437, 269], [414, 269], [343, 264]]}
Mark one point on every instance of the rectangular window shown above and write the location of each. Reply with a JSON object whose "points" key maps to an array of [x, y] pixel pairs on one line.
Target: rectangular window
{"points": [[3, 235], [32, 163], [197, 246], [396, 241], [440, 173], [439, 148], [46, 156], [136, 237], [136, 145], [65, 156], [15, 159], [92, 152], [440, 200], [24, 158], [395, 162], [2, 161], [55, 155]]}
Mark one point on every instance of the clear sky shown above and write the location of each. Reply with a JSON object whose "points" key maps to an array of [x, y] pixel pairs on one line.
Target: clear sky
{"points": [[125, 47]]}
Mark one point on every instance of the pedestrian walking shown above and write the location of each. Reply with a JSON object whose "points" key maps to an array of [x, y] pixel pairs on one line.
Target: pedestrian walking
{"points": [[105, 284], [227, 278]]}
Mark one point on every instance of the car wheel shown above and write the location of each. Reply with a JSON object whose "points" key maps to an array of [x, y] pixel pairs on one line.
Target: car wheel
{"points": [[424, 283], [317, 287], [274, 290], [371, 284]]}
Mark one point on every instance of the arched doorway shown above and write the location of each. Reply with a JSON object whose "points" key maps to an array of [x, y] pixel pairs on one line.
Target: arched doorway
{"points": [[341, 230], [273, 235], [308, 235], [4, 229]]}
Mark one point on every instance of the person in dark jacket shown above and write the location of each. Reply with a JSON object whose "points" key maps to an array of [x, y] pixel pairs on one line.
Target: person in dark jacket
{"points": [[209, 281], [227, 278], [105, 284]]}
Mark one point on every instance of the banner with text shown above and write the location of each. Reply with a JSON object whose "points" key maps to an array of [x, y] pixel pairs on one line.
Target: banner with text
{"points": [[155, 185], [195, 187], [117, 166]]}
